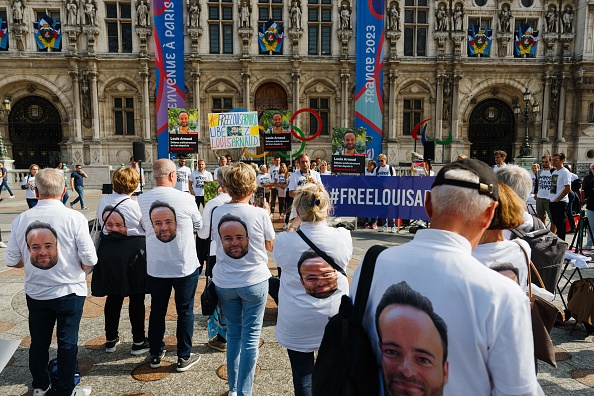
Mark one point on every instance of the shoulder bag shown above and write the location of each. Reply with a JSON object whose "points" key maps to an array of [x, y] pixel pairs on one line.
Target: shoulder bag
{"points": [[209, 298]]}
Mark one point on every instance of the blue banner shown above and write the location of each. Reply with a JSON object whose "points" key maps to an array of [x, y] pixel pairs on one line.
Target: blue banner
{"points": [[369, 104], [169, 65], [3, 34], [385, 197]]}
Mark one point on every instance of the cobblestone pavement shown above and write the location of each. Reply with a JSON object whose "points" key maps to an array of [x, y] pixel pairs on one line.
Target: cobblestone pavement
{"points": [[120, 373]]}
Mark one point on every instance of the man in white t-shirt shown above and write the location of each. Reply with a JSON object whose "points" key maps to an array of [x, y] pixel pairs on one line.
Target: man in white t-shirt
{"points": [[273, 171], [170, 218], [53, 244], [542, 189], [222, 162], [197, 180], [489, 351], [385, 169], [303, 175], [560, 187], [500, 157], [183, 176]]}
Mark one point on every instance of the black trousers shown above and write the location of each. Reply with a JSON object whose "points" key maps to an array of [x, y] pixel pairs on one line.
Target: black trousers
{"points": [[558, 210], [112, 310], [273, 194]]}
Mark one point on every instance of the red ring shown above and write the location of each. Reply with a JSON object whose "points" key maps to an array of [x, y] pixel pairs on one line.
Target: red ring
{"points": [[315, 113]]}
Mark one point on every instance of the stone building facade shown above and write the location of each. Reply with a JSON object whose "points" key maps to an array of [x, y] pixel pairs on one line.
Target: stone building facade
{"points": [[87, 101]]}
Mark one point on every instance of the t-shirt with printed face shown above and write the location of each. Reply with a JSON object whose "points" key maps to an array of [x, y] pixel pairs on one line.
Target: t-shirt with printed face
{"points": [[264, 178], [559, 180], [298, 179], [183, 177], [544, 184], [198, 179]]}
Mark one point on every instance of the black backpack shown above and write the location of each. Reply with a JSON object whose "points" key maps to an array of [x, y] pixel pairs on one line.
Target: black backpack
{"points": [[576, 186], [346, 365], [548, 252]]}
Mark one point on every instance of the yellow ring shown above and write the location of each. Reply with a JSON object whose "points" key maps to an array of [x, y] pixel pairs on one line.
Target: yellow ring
{"points": [[244, 151]]}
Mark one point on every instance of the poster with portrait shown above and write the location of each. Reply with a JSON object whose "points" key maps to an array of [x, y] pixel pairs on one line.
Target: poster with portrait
{"points": [[183, 130], [277, 133], [348, 150], [233, 130]]}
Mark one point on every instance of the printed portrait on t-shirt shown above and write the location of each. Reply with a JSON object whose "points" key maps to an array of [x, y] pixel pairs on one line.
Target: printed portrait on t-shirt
{"points": [[114, 222], [319, 278], [554, 179], [234, 236], [42, 243], [163, 220], [413, 342]]}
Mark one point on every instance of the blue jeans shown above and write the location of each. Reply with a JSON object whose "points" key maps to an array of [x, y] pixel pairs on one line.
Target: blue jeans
{"points": [[185, 289], [5, 185], [81, 196], [243, 308], [65, 197], [43, 314], [31, 202], [302, 365]]}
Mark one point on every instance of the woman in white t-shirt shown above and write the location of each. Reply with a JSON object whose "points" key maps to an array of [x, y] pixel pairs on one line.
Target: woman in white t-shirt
{"points": [[311, 289], [264, 182], [243, 234], [493, 247], [281, 182], [324, 168], [29, 185]]}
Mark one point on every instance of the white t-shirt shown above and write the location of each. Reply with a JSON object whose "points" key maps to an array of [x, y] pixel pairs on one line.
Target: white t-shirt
{"points": [[129, 209], [217, 201], [140, 175], [421, 172], [559, 180], [384, 171], [281, 191], [505, 252], [30, 192], [183, 178], [298, 179], [263, 179], [198, 179], [251, 268], [74, 245], [372, 173], [301, 317], [273, 172], [497, 167], [544, 184], [488, 321], [175, 255]]}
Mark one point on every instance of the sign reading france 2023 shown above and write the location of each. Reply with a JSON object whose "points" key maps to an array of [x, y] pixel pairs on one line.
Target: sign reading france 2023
{"points": [[372, 196], [233, 130]]}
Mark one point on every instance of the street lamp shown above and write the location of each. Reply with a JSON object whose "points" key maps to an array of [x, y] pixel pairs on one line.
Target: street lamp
{"points": [[6, 105], [526, 150]]}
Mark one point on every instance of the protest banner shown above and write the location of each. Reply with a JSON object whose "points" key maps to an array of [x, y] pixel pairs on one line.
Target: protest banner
{"points": [[233, 130]]}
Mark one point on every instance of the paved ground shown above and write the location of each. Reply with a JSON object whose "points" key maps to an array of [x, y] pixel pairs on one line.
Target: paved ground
{"points": [[120, 373]]}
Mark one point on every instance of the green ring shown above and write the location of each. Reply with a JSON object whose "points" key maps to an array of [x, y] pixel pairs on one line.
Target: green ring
{"points": [[302, 145]]}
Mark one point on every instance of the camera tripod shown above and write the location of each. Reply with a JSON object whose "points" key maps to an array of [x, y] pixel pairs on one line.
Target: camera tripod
{"points": [[583, 228]]}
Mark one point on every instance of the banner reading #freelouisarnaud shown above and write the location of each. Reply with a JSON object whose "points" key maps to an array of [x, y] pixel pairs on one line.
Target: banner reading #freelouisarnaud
{"points": [[233, 130], [371, 196]]}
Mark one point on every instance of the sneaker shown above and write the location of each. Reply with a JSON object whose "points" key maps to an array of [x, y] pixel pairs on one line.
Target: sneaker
{"points": [[374, 226], [71, 205], [2, 244], [82, 391], [11, 197], [383, 229], [186, 364], [156, 360], [85, 208], [110, 346], [1, 199], [40, 392], [216, 344], [285, 227], [140, 348], [393, 230]]}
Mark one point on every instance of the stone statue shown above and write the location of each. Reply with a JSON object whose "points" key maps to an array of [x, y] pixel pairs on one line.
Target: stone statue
{"points": [[142, 14], [505, 16], [18, 11], [442, 19], [458, 18], [394, 21], [71, 12], [90, 13], [194, 11], [295, 15], [567, 19], [345, 17], [551, 18], [244, 13]]}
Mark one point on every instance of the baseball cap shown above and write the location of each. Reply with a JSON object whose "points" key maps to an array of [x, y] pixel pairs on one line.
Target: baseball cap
{"points": [[487, 184]]}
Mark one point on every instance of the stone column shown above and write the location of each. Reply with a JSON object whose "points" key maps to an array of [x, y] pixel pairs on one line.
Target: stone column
{"points": [[246, 89], [392, 105], [439, 105], [561, 110], [344, 98], [546, 102], [295, 75], [146, 106], [196, 84], [95, 103], [76, 101], [455, 105]]}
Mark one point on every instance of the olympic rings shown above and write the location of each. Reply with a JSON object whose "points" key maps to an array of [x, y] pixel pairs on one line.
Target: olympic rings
{"points": [[300, 150], [244, 151], [315, 114]]}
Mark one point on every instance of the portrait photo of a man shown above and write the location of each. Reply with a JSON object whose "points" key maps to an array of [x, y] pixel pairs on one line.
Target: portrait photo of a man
{"points": [[413, 341], [114, 222], [42, 244], [319, 278], [276, 121], [234, 236], [186, 121], [163, 220], [344, 141]]}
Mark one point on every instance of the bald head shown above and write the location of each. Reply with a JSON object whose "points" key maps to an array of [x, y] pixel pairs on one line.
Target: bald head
{"points": [[164, 173]]}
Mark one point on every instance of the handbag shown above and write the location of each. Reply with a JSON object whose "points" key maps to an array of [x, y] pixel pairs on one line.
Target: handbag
{"points": [[346, 364], [543, 314], [96, 230], [209, 298]]}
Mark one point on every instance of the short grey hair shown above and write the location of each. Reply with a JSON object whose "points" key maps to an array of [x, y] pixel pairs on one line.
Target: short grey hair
{"points": [[516, 178], [162, 168], [49, 183]]}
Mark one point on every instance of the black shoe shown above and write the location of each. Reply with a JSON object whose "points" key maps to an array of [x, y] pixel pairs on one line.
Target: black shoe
{"points": [[156, 360], [140, 348], [186, 364], [110, 346]]}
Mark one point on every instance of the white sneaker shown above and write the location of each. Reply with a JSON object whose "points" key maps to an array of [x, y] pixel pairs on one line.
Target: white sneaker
{"points": [[40, 392], [383, 229], [2, 244], [82, 391], [393, 230], [285, 227], [11, 197]]}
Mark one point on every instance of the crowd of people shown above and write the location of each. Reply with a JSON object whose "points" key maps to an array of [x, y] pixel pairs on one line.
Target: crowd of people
{"points": [[434, 314]]}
